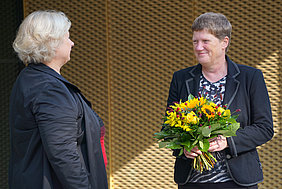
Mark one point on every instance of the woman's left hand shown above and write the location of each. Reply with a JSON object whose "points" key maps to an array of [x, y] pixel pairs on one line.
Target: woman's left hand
{"points": [[218, 143]]}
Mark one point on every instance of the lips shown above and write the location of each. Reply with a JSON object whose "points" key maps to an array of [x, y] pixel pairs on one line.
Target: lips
{"points": [[201, 54]]}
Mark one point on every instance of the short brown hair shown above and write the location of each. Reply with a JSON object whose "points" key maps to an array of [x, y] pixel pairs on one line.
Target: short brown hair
{"points": [[215, 23]]}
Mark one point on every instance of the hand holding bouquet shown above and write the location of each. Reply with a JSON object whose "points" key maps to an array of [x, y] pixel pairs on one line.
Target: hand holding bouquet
{"points": [[192, 124]]}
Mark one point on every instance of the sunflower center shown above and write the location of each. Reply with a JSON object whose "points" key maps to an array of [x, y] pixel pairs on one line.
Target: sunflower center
{"points": [[208, 111]]}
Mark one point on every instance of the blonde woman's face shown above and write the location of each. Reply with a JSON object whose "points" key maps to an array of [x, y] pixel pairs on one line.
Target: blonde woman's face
{"points": [[64, 50]]}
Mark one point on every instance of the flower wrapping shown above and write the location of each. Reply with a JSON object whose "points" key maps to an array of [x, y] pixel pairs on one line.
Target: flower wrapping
{"points": [[192, 123]]}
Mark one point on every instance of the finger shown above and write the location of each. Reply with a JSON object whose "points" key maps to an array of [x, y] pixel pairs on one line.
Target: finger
{"points": [[212, 139], [213, 147], [194, 153], [198, 152], [220, 137], [191, 155], [213, 143]]}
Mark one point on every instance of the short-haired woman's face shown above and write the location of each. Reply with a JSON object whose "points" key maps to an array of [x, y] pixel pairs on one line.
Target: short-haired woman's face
{"points": [[63, 52], [207, 48]]}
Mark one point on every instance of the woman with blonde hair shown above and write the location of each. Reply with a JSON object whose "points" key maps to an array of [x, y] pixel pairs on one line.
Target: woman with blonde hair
{"points": [[55, 134]]}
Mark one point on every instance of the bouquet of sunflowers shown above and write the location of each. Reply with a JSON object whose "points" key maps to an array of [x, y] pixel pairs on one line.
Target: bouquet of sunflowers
{"points": [[192, 123]]}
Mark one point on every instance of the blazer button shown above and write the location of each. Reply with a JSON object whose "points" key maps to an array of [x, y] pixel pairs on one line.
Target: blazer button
{"points": [[228, 156]]}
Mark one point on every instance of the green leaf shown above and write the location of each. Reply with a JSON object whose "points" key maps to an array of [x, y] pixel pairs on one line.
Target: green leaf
{"points": [[188, 148], [206, 131], [235, 127], [186, 143], [235, 116], [225, 133], [231, 120], [206, 145], [215, 126], [181, 152], [163, 144], [173, 145], [200, 129], [201, 144], [229, 131], [164, 134], [195, 142], [190, 97], [159, 136]]}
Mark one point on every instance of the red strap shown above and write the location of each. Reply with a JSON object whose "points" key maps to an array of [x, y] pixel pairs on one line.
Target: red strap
{"points": [[103, 131]]}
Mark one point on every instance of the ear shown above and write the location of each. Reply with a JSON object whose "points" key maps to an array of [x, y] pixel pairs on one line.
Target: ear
{"points": [[225, 42]]}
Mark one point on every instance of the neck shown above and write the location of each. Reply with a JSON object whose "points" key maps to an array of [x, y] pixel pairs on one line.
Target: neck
{"points": [[216, 72], [54, 66]]}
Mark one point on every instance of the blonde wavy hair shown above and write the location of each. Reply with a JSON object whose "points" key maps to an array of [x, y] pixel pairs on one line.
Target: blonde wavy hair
{"points": [[39, 36]]}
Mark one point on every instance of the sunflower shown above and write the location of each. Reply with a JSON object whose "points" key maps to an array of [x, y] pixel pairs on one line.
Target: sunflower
{"points": [[202, 101], [192, 103], [208, 110], [213, 104]]}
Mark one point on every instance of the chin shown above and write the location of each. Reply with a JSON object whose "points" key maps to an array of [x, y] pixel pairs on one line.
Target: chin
{"points": [[201, 61], [66, 61]]}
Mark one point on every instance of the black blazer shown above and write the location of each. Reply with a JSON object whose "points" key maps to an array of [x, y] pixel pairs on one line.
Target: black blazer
{"points": [[48, 116], [245, 90]]}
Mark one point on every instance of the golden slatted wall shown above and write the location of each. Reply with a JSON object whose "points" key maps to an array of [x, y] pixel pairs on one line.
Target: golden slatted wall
{"points": [[124, 56]]}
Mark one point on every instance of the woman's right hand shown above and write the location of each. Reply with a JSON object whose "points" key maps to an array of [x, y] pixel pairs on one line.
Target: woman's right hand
{"points": [[194, 153]]}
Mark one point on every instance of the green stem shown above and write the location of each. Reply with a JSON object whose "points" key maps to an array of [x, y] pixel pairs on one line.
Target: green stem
{"points": [[205, 161]]}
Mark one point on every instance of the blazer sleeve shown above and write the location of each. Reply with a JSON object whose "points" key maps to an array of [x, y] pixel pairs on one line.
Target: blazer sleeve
{"points": [[259, 127], [55, 111], [173, 92], [173, 97]]}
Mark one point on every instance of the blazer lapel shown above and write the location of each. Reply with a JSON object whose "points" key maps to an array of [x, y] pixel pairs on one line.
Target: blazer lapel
{"points": [[192, 84], [232, 84]]}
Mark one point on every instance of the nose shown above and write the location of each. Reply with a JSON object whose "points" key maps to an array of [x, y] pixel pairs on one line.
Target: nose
{"points": [[198, 46], [72, 43]]}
